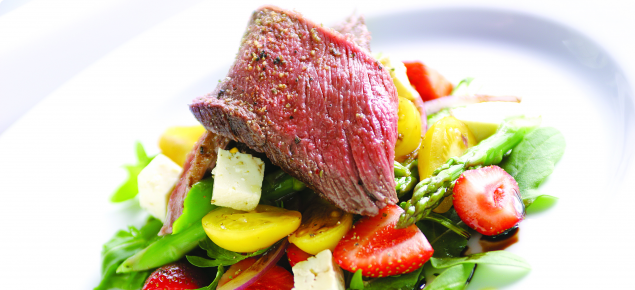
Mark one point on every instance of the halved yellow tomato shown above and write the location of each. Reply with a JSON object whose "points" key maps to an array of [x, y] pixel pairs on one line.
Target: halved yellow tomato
{"points": [[242, 231], [176, 142], [408, 128], [323, 226], [447, 138]]}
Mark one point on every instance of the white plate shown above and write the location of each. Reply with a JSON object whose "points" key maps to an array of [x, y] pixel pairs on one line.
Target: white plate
{"points": [[61, 162], [580, 90]]}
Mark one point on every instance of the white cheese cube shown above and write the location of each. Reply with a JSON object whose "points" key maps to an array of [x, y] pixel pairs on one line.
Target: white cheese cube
{"points": [[237, 180], [319, 272], [156, 182]]}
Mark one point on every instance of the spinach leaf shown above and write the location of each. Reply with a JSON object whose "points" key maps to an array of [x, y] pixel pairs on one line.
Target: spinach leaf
{"points": [[538, 201], [219, 273], [401, 282], [445, 242], [503, 258], [452, 278], [128, 281], [129, 189], [533, 159], [123, 245], [356, 282], [219, 255]]}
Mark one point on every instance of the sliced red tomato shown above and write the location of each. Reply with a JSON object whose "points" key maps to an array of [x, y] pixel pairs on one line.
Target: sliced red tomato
{"points": [[277, 278], [296, 255], [487, 199], [379, 250], [427, 81], [176, 276]]}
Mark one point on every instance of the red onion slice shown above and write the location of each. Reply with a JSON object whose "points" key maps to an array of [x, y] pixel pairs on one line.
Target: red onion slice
{"points": [[439, 104], [255, 271]]}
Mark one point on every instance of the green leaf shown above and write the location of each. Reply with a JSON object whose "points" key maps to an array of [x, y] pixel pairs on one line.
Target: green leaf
{"points": [[401, 282], [219, 255], [433, 118], [129, 189], [448, 223], [356, 282], [502, 258], [538, 201], [123, 245], [129, 281], [533, 159], [453, 278], [445, 242], [196, 205], [463, 88], [219, 274]]}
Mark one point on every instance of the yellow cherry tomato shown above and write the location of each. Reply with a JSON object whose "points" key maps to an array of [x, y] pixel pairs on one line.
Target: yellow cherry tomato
{"points": [[408, 128], [323, 226], [447, 138], [176, 142], [242, 231]]}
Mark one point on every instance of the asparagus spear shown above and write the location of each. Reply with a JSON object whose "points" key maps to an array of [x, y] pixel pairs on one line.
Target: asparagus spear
{"points": [[406, 183], [278, 184], [401, 170], [430, 192]]}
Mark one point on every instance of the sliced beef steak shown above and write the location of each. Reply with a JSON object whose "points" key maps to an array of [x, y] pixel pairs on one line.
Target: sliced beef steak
{"points": [[202, 157], [318, 105]]}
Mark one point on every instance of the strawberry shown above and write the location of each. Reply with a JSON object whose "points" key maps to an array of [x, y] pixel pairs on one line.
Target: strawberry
{"points": [[296, 255], [376, 247], [487, 199], [428, 82], [177, 276], [276, 278]]}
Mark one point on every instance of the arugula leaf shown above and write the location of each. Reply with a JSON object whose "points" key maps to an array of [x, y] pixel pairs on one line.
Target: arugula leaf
{"points": [[401, 282], [445, 242], [129, 189], [534, 159], [502, 258], [219, 255], [123, 245], [452, 278], [219, 273]]}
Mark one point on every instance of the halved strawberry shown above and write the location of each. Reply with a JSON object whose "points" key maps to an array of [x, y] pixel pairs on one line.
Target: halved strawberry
{"points": [[487, 199], [378, 249], [428, 82], [276, 278], [296, 255], [177, 276]]}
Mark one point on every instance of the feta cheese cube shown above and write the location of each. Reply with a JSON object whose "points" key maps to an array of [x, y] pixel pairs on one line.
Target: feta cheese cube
{"points": [[237, 180], [319, 272], [155, 183]]}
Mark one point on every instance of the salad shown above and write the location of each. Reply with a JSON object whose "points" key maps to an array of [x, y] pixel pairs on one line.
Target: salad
{"points": [[229, 210]]}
